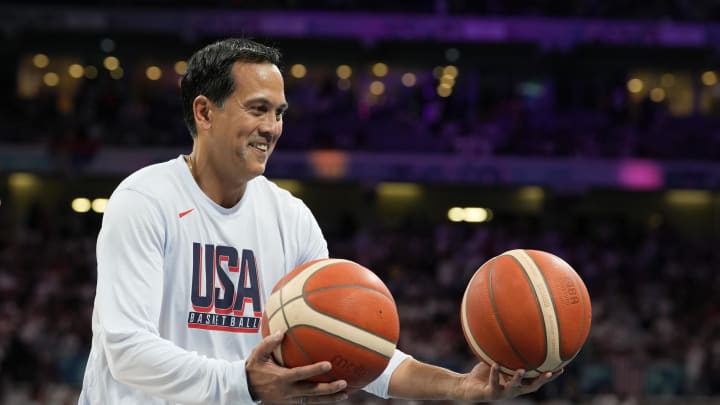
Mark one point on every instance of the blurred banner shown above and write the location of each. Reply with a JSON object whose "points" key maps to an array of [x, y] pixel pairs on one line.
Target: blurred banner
{"points": [[547, 32], [559, 173]]}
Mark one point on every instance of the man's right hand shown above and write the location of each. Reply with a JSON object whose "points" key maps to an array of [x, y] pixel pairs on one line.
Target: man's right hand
{"points": [[271, 383]]}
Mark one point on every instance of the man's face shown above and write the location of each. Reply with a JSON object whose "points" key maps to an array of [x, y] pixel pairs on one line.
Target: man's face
{"points": [[244, 131]]}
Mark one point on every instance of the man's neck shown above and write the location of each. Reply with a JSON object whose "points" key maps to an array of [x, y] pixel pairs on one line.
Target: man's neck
{"points": [[226, 194]]}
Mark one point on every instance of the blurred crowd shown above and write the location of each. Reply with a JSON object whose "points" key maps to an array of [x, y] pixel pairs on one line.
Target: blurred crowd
{"points": [[656, 319], [485, 115]]}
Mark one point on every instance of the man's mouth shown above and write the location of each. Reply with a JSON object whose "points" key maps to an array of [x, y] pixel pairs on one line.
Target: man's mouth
{"points": [[263, 147]]}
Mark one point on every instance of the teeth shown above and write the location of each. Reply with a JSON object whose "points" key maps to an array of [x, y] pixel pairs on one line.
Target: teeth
{"points": [[262, 146]]}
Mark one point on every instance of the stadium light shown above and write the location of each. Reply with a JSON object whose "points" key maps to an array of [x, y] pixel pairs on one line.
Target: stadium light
{"points": [[111, 63], [51, 79], [408, 79], [81, 205], [380, 69], [153, 73], [76, 71], [343, 71], [40, 60], [377, 88], [98, 205], [469, 214], [298, 71]]}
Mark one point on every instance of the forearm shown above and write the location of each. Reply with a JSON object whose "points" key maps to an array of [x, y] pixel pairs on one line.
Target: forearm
{"points": [[416, 380], [159, 368]]}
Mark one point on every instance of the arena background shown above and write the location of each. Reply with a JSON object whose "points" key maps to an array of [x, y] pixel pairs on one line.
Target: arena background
{"points": [[585, 128]]}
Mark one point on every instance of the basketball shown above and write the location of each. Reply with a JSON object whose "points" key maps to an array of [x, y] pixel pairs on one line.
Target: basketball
{"points": [[338, 311], [526, 309]]}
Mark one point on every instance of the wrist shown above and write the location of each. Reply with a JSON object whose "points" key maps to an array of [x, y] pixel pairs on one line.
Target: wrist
{"points": [[250, 390], [452, 385]]}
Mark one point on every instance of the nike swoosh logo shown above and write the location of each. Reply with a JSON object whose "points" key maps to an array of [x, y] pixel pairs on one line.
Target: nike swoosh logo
{"points": [[182, 214]]}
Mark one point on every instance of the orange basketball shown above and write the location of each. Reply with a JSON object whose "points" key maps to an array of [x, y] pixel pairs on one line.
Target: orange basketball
{"points": [[334, 310], [526, 309]]}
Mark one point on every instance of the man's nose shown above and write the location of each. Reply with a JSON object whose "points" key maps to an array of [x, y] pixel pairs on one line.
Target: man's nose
{"points": [[271, 126]]}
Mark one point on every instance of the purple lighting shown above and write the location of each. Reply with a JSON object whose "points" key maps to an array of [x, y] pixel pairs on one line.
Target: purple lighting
{"points": [[640, 175]]}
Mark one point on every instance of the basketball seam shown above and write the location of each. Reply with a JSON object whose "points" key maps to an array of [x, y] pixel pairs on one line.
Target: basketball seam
{"points": [[281, 287], [549, 313], [464, 319], [299, 346], [499, 319], [305, 354], [302, 297], [279, 308], [354, 287], [554, 306], [282, 305], [329, 262], [341, 338]]}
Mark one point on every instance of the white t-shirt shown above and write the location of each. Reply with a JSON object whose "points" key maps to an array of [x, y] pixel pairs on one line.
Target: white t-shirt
{"points": [[182, 283]]}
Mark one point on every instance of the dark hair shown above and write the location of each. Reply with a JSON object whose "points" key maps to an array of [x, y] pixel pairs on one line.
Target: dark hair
{"points": [[209, 72]]}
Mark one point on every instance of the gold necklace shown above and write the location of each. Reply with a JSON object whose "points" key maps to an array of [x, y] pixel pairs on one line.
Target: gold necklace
{"points": [[188, 160]]}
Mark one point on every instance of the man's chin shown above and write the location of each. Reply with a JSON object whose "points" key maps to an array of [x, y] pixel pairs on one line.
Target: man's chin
{"points": [[257, 171]]}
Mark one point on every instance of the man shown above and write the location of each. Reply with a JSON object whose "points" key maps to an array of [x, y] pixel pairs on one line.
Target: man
{"points": [[189, 250]]}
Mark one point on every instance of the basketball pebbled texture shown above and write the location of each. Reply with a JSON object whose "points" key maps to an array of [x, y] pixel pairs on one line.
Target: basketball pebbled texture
{"points": [[526, 309], [338, 311]]}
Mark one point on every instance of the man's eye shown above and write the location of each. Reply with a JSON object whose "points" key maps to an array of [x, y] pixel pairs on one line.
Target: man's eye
{"points": [[260, 109]]}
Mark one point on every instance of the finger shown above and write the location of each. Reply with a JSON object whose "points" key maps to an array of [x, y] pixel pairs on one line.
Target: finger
{"points": [[317, 393], [269, 344], [516, 381], [543, 379], [495, 385], [495, 375], [305, 372], [321, 389], [557, 374]]}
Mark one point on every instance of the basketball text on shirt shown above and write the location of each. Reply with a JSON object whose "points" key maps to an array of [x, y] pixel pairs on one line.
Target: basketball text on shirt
{"points": [[223, 283]]}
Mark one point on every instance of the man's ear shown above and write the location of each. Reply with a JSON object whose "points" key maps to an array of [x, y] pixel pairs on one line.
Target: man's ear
{"points": [[202, 112]]}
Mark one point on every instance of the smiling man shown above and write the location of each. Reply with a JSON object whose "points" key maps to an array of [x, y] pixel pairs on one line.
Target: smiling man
{"points": [[190, 249], [238, 131]]}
